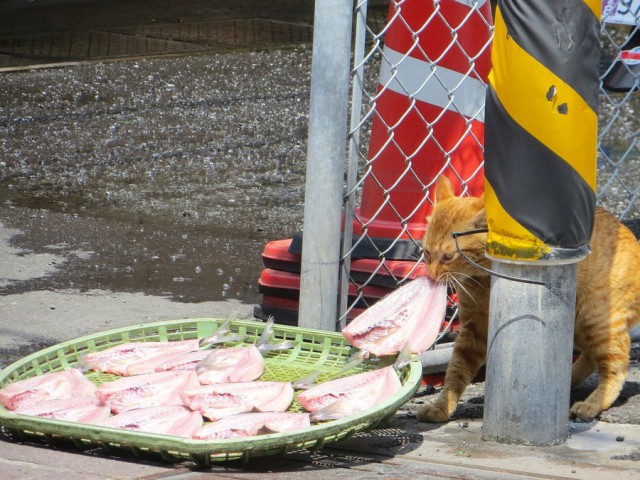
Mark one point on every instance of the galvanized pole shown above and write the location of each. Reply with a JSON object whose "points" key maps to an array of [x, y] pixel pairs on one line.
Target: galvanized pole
{"points": [[529, 354], [325, 164], [353, 157]]}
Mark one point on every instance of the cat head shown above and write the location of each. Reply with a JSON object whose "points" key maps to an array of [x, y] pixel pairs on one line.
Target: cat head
{"points": [[454, 214]]}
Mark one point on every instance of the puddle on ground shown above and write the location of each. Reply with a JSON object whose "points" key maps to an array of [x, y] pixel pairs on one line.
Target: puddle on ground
{"points": [[170, 185]]}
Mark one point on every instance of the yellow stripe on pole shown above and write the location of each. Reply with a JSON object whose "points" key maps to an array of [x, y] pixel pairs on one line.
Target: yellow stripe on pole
{"points": [[544, 105], [507, 239]]}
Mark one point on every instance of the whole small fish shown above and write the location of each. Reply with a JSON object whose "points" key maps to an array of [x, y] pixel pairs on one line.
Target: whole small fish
{"points": [[49, 386], [135, 358], [350, 395], [410, 315], [250, 424], [151, 389], [77, 409], [224, 399], [174, 420]]}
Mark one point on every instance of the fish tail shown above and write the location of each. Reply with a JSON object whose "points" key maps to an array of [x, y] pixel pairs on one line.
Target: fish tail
{"points": [[354, 361], [83, 365], [222, 335], [265, 343], [334, 411], [306, 382], [267, 332], [404, 357]]}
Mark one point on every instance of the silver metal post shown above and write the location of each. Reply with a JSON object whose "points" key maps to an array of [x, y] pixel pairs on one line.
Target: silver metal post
{"points": [[325, 164], [529, 352], [353, 157]]}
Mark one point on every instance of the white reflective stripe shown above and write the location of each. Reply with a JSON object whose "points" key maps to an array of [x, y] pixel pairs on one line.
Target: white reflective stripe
{"points": [[411, 76]]}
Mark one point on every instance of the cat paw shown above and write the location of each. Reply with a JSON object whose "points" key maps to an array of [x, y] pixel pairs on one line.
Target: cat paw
{"points": [[584, 411], [432, 414]]}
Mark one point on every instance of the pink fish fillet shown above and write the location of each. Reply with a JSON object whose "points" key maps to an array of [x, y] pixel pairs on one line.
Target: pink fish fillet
{"points": [[183, 361], [355, 393], [174, 420], [151, 389], [77, 409], [249, 424], [224, 399], [135, 358], [64, 384], [411, 314], [235, 364]]}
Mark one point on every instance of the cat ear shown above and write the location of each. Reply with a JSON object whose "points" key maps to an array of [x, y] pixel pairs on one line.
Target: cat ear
{"points": [[444, 189]]}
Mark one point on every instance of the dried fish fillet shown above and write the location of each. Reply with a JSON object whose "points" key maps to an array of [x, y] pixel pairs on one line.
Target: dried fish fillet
{"points": [[77, 409], [135, 358], [350, 395], [151, 389], [49, 386], [224, 399], [174, 420], [410, 315], [235, 364], [250, 424]]}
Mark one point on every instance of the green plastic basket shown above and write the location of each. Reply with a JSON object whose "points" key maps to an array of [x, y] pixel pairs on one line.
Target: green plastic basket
{"points": [[314, 350]]}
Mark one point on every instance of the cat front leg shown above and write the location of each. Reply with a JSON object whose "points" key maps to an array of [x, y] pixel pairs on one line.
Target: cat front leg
{"points": [[468, 355]]}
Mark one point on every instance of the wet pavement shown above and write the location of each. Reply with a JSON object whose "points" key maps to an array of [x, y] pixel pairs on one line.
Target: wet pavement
{"points": [[170, 184]]}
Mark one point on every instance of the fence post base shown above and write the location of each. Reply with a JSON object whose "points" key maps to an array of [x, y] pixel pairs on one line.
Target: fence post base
{"points": [[529, 354]]}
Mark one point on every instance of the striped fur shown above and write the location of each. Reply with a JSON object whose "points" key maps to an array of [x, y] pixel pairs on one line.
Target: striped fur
{"points": [[607, 303]]}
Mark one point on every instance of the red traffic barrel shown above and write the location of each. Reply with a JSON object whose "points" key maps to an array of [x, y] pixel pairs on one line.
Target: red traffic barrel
{"points": [[429, 112]]}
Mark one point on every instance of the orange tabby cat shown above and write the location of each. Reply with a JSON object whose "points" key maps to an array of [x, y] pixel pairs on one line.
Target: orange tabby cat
{"points": [[607, 301]]}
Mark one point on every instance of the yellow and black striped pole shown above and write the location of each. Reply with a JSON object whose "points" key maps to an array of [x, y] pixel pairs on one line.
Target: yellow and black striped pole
{"points": [[541, 129], [540, 169]]}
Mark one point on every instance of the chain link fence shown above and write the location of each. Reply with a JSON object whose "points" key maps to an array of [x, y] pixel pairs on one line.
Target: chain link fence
{"points": [[417, 111]]}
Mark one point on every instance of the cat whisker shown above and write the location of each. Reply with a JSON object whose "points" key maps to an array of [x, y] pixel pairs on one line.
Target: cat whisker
{"points": [[462, 287], [469, 277]]}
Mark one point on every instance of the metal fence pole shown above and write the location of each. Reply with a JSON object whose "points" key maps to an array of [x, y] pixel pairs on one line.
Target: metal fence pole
{"points": [[325, 164], [353, 157]]}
